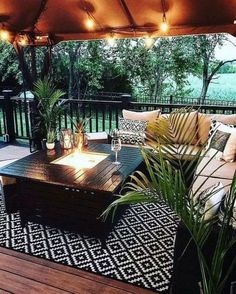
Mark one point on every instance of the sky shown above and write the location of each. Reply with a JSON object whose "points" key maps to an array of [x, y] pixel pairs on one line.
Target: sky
{"points": [[228, 51]]}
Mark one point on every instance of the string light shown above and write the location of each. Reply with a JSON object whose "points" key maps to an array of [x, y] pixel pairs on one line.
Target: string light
{"points": [[4, 35], [164, 25], [111, 41], [89, 23], [149, 42], [23, 40]]}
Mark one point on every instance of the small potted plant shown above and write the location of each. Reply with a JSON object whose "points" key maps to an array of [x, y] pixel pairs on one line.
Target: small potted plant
{"points": [[51, 137]]}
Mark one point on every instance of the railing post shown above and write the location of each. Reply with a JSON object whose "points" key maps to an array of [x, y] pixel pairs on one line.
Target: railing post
{"points": [[9, 117], [126, 100], [171, 102]]}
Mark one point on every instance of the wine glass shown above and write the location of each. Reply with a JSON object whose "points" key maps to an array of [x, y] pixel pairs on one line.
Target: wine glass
{"points": [[116, 147]]}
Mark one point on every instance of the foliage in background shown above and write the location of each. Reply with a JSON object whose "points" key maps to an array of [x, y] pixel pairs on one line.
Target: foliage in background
{"points": [[208, 65], [9, 68], [81, 68]]}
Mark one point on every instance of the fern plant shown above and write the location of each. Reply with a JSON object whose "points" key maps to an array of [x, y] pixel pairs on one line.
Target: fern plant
{"points": [[170, 177]]}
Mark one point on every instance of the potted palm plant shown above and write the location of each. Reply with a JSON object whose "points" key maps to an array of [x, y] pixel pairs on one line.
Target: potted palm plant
{"points": [[49, 107], [80, 137], [169, 178]]}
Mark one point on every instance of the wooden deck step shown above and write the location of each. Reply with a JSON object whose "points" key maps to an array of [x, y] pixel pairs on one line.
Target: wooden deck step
{"points": [[22, 274]]}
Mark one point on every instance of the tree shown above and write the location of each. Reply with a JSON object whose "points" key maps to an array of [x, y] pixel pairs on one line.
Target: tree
{"points": [[205, 46], [9, 67], [159, 71]]}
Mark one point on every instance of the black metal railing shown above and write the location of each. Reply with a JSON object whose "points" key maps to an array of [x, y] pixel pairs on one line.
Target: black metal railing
{"points": [[2, 117], [103, 114]]}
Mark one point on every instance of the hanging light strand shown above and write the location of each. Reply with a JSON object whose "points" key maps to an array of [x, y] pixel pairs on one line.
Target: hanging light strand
{"points": [[111, 40], [164, 25], [149, 42], [91, 21], [4, 34]]}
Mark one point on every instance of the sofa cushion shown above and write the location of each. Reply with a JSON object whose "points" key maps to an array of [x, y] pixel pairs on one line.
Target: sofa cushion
{"points": [[204, 123], [184, 126], [178, 149], [216, 168], [97, 137], [202, 183], [224, 118], [148, 116], [229, 154]]}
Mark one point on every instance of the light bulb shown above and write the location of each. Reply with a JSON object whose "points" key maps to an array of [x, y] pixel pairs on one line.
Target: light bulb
{"points": [[149, 42], [89, 23], [111, 41], [164, 26], [23, 41], [4, 35]]}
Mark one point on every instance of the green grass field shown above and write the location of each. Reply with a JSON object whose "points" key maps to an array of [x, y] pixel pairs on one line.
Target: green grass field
{"points": [[223, 87]]}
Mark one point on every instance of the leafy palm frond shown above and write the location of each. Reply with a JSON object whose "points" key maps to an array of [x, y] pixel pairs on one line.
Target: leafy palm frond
{"points": [[80, 124], [49, 105]]}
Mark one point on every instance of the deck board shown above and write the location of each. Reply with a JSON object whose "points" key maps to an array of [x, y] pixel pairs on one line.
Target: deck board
{"points": [[22, 274]]}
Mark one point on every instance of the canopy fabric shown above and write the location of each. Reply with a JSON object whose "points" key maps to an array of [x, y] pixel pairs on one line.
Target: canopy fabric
{"points": [[66, 19]]}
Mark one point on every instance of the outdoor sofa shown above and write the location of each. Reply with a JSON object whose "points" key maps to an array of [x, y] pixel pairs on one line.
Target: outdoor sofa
{"points": [[214, 168], [217, 170]]}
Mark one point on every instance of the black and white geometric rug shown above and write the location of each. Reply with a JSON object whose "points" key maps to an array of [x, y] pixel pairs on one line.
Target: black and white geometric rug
{"points": [[139, 249]]}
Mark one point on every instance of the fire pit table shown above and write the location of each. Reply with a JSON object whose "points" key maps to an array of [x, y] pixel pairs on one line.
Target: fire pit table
{"points": [[67, 189]]}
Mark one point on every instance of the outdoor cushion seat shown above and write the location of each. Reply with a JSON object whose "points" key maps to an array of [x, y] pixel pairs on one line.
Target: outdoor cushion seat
{"points": [[191, 149], [216, 168], [202, 183], [229, 119], [98, 137]]}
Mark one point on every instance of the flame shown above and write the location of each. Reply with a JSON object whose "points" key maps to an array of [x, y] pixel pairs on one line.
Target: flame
{"points": [[81, 160]]}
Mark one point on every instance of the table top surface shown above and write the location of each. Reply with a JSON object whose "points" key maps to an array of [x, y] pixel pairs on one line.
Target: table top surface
{"points": [[105, 176]]}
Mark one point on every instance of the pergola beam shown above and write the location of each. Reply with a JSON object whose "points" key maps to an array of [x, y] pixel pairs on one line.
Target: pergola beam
{"points": [[128, 13]]}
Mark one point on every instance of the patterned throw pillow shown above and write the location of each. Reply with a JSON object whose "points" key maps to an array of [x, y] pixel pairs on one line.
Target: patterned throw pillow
{"points": [[132, 131], [132, 138], [210, 200], [219, 140], [222, 141], [222, 209], [130, 125]]}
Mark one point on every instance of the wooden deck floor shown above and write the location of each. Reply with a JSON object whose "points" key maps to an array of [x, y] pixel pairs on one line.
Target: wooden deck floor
{"points": [[24, 274]]}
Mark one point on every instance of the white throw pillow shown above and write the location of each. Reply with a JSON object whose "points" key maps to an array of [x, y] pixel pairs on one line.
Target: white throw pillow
{"points": [[212, 204]]}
